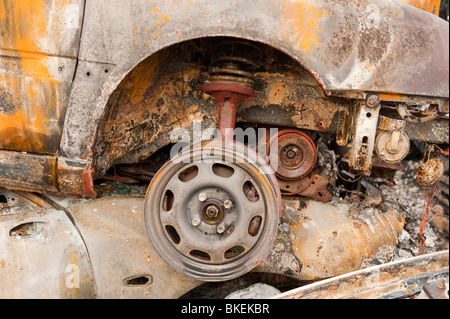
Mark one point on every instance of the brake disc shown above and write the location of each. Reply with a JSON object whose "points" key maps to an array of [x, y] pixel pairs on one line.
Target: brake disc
{"points": [[212, 213]]}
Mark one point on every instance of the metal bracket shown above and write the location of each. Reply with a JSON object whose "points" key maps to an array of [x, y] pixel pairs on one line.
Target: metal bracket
{"points": [[343, 128], [364, 132]]}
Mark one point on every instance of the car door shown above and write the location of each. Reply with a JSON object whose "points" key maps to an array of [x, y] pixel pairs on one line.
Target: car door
{"points": [[39, 43]]}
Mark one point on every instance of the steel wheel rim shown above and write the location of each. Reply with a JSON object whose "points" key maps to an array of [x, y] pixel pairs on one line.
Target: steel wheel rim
{"points": [[178, 253]]}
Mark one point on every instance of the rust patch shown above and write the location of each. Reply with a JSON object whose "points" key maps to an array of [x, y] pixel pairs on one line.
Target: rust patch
{"points": [[331, 231], [430, 172], [373, 43], [141, 79], [145, 108], [88, 183], [341, 44], [6, 102]]}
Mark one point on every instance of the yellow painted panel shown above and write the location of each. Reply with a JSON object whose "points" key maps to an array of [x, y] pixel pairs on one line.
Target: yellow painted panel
{"points": [[431, 6], [31, 75]]}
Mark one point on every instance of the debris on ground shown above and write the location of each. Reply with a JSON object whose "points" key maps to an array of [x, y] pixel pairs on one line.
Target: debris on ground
{"points": [[411, 199]]}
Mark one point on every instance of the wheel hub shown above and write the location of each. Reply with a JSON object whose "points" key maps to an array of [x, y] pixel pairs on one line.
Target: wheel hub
{"points": [[212, 213]]}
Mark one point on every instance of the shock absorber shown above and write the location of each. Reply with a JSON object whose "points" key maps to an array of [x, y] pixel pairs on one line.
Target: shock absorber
{"points": [[230, 82]]}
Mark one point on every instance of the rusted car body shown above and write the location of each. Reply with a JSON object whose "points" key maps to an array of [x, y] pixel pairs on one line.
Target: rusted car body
{"points": [[93, 91]]}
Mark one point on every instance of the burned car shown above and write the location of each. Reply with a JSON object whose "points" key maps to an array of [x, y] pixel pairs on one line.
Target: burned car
{"points": [[150, 148]]}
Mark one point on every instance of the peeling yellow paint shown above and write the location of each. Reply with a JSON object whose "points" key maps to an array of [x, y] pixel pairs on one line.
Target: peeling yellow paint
{"points": [[143, 40], [302, 23], [34, 90], [431, 6], [164, 17]]}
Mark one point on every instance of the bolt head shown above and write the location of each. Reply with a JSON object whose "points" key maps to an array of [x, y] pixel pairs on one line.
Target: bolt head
{"points": [[372, 101], [220, 228], [227, 204], [195, 221], [441, 284], [202, 197], [212, 212]]}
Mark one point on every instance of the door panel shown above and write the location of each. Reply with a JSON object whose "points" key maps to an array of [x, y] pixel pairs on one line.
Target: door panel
{"points": [[39, 42]]}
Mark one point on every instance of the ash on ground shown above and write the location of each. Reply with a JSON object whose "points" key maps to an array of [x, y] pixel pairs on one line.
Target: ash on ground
{"points": [[411, 199]]}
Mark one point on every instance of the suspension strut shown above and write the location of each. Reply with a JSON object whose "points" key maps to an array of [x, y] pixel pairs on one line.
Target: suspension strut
{"points": [[230, 83]]}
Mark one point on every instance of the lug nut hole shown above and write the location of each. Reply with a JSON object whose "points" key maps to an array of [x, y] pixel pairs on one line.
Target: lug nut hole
{"points": [[200, 254], [234, 252], [173, 234], [168, 200]]}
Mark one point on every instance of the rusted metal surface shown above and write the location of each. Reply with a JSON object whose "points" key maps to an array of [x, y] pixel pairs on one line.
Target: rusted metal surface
{"points": [[292, 98], [392, 147], [296, 155], [83, 95], [230, 81], [390, 124], [407, 116], [431, 132], [392, 144], [140, 119], [149, 122], [293, 161], [317, 189], [399, 279], [293, 187], [36, 171], [436, 131], [430, 172]]}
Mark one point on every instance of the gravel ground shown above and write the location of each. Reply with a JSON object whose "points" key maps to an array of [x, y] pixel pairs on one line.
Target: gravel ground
{"points": [[411, 198]]}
